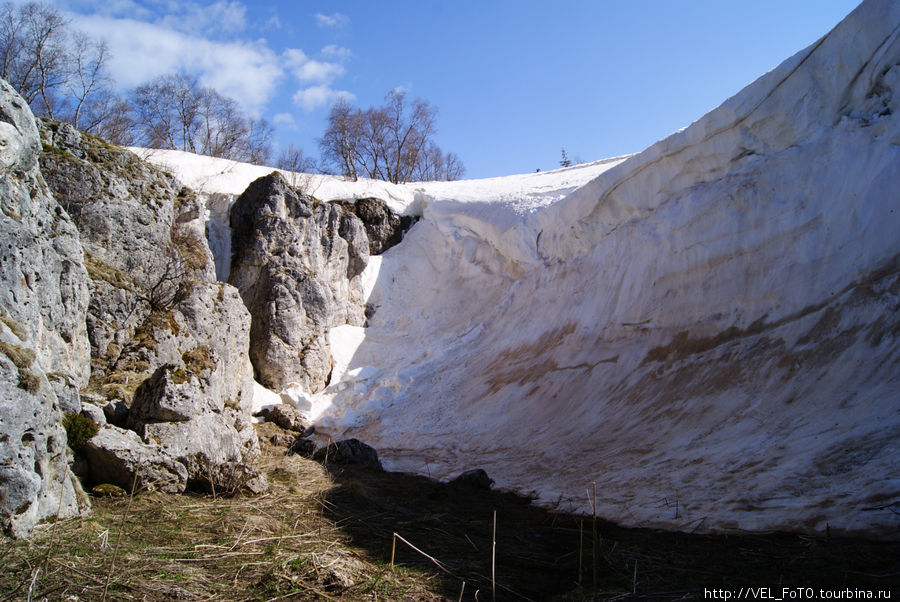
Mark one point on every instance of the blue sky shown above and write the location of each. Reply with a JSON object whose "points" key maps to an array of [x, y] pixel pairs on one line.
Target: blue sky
{"points": [[513, 81]]}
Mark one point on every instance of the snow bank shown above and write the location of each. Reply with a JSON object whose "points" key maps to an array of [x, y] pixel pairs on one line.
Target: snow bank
{"points": [[708, 330]]}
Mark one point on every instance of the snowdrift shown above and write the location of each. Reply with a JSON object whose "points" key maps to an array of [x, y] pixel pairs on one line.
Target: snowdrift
{"points": [[708, 329]]}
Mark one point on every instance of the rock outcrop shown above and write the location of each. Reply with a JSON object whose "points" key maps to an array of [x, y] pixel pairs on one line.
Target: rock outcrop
{"points": [[44, 351], [297, 264], [384, 228], [166, 338], [348, 451]]}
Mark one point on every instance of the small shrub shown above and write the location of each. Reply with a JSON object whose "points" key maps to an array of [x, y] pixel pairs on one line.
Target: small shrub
{"points": [[79, 429]]}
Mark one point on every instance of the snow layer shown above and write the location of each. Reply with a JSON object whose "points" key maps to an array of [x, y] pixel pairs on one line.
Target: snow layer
{"points": [[708, 330]]}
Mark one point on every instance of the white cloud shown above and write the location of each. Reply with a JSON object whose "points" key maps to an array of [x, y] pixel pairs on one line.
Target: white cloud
{"points": [[336, 52], [316, 77], [273, 23], [195, 17], [218, 18], [306, 69], [316, 97], [402, 89], [245, 71], [332, 20], [165, 36], [285, 119], [107, 8]]}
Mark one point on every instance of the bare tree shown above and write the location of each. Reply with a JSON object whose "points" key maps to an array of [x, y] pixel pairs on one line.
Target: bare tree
{"points": [[410, 126], [222, 127], [258, 144], [435, 165], [156, 119], [174, 111], [393, 142], [119, 127], [61, 73], [33, 51], [298, 165], [293, 159], [89, 99], [340, 143]]}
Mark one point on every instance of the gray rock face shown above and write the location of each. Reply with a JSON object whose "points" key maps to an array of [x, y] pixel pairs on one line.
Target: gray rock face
{"points": [[44, 352], [93, 412], [383, 227], [288, 417], [173, 408], [166, 338], [171, 394], [297, 264]]}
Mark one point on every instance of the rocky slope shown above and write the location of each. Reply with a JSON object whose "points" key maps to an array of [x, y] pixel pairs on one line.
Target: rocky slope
{"points": [[110, 309]]}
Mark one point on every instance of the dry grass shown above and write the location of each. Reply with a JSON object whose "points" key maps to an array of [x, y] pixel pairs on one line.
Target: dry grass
{"points": [[326, 533], [274, 546]]}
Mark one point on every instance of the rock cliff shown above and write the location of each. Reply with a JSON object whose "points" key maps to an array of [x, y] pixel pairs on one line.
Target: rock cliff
{"points": [[44, 351], [164, 334]]}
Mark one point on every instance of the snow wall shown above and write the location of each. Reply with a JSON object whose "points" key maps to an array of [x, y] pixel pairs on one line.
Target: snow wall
{"points": [[709, 329]]}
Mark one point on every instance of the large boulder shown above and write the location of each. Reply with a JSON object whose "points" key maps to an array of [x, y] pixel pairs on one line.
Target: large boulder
{"points": [[297, 263], [44, 351], [174, 410], [119, 457], [171, 394], [349, 451]]}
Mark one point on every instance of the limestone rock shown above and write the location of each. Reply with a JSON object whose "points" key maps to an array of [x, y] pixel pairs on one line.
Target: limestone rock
{"points": [[94, 412], [171, 394], [118, 456], [219, 324], [44, 352], [142, 233], [288, 417], [165, 336], [348, 451], [384, 228], [297, 264], [174, 411]]}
